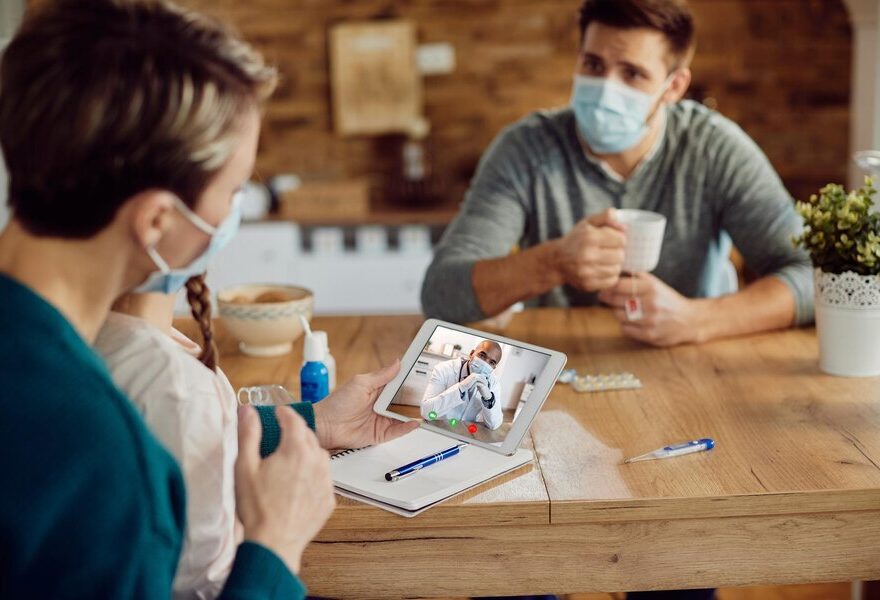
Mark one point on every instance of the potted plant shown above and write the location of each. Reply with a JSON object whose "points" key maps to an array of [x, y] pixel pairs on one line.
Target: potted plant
{"points": [[842, 234]]}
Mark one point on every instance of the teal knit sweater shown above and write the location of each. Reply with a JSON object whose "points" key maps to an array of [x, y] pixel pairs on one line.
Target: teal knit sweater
{"points": [[91, 506]]}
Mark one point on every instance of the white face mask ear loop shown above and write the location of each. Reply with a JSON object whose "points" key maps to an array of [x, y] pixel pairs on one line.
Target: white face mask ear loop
{"points": [[158, 260], [195, 219], [666, 85], [659, 99]]}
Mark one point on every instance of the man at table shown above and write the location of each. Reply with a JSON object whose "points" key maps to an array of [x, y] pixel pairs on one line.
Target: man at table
{"points": [[550, 183], [466, 391]]}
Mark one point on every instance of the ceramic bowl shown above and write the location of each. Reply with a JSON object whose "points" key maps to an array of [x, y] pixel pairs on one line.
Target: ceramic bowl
{"points": [[265, 318]]}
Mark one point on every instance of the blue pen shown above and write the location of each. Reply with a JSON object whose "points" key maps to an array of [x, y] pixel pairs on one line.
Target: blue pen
{"points": [[420, 464], [676, 450]]}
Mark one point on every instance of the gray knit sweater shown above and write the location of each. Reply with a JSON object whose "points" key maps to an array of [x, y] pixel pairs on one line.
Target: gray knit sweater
{"points": [[712, 182]]}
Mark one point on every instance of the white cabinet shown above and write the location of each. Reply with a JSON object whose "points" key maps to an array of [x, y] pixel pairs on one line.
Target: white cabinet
{"points": [[350, 283], [413, 389], [344, 282]]}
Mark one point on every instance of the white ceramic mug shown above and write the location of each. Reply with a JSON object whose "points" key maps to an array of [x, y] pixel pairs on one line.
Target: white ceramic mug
{"points": [[644, 238]]}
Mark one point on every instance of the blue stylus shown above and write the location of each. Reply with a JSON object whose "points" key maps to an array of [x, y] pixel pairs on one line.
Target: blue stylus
{"points": [[420, 464]]}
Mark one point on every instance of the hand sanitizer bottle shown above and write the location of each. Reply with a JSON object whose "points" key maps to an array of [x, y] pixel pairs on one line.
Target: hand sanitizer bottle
{"points": [[314, 377]]}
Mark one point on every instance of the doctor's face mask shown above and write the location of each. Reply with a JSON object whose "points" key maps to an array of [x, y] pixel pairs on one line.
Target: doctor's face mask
{"points": [[480, 366]]}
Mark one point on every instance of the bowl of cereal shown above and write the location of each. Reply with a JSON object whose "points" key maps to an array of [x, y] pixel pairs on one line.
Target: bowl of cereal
{"points": [[265, 318]]}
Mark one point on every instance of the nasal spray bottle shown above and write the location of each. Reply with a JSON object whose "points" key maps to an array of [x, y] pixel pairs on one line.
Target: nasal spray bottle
{"points": [[314, 377], [328, 360]]}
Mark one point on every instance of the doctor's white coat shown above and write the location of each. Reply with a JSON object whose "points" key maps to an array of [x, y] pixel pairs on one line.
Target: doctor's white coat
{"points": [[443, 397]]}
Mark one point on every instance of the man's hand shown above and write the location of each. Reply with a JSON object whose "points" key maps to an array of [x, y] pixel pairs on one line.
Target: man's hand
{"points": [[590, 255], [668, 317], [345, 418], [471, 381], [284, 500], [491, 380], [486, 396]]}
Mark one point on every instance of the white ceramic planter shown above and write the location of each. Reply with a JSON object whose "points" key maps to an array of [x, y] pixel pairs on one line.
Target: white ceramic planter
{"points": [[848, 323]]}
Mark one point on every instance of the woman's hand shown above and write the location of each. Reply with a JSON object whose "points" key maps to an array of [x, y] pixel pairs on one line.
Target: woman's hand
{"points": [[345, 418]]}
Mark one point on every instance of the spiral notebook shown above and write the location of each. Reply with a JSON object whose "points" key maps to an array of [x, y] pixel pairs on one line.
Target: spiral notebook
{"points": [[360, 474]]}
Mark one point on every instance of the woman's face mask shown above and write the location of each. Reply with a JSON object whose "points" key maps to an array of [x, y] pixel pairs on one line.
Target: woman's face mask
{"points": [[611, 117], [169, 281]]}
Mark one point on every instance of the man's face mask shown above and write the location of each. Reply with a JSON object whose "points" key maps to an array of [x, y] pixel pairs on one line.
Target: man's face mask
{"points": [[611, 117], [169, 281]]}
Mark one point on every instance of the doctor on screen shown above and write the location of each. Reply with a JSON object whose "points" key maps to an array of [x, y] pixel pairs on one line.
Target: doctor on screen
{"points": [[466, 389]]}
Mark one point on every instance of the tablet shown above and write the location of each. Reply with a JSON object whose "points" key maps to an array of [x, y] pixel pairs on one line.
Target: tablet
{"points": [[473, 386]]}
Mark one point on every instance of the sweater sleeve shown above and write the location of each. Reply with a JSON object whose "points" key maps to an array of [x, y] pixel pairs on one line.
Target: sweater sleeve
{"points": [[271, 431], [258, 574], [759, 214], [491, 222], [493, 417]]}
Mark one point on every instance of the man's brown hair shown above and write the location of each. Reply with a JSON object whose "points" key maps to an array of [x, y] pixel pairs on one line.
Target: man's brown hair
{"points": [[103, 99], [672, 18]]}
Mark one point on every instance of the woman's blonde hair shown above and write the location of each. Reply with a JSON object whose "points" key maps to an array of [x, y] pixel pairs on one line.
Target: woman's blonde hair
{"points": [[103, 99]]}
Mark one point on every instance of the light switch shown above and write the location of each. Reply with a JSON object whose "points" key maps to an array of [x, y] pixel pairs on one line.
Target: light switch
{"points": [[435, 59]]}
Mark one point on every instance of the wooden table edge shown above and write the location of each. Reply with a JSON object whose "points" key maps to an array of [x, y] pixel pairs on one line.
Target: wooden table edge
{"points": [[739, 505]]}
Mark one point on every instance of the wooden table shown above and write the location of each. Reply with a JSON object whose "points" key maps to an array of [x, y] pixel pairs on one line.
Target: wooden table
{"points": [[790, 494]]}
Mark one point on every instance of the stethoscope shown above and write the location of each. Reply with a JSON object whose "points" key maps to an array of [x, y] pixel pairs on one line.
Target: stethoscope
{"points": [[468, 403], [460, 369]]}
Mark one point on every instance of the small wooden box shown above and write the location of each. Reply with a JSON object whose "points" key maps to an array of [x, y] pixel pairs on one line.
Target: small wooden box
{"points": [[330, 200]]}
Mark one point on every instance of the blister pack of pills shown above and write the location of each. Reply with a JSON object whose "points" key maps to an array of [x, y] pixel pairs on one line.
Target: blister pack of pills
{"points": [[599, 383]]}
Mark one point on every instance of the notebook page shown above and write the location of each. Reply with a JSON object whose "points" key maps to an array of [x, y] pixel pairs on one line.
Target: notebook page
{"points": [[363, 471]]}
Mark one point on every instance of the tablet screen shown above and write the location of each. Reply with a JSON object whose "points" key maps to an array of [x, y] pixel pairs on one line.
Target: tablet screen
{"points": [[469, 385]]}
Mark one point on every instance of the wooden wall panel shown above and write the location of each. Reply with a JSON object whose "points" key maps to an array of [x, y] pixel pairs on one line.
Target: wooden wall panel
{"points": [[780, 68]]}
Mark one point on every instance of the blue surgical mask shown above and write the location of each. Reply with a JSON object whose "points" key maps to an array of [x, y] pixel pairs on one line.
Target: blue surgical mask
{"points": [[611, 117], [169, 281], [480, 367]]}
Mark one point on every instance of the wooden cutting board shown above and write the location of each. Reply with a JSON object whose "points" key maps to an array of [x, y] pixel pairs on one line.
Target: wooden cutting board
{"points": [[376, 85]]}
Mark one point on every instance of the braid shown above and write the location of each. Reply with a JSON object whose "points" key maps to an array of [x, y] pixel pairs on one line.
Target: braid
{"points": [[199, 297]]}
